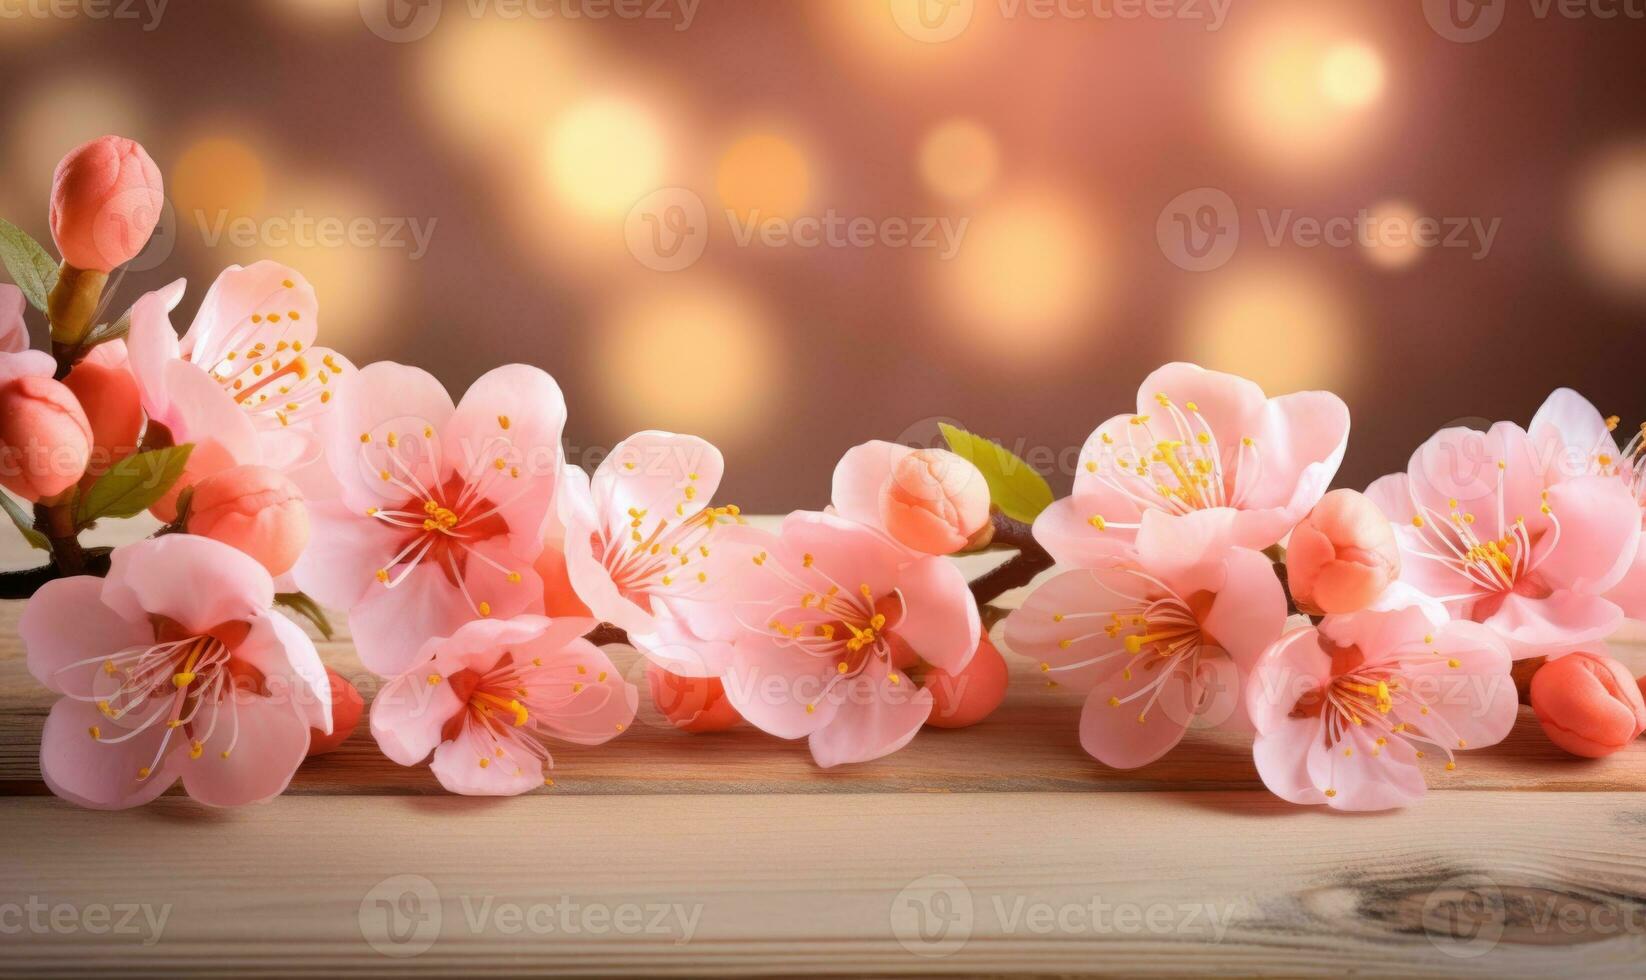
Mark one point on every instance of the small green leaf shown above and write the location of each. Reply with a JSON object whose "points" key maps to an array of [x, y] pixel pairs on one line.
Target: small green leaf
{"points": [[132, 485], [306, 607], [1014, 486], [30, 265], [24, 522], [105, 332]]}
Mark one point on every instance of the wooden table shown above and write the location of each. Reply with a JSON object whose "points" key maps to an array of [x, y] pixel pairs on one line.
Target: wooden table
{"points": [[1001, 848]]}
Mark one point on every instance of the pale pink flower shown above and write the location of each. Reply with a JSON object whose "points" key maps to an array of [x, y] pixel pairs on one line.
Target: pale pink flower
{"points": [[931, 501], [484, 699], [1161, 645], [441, 509], [836, 610], [648, 551], [1344, 712], [173, 667], [14, 334], [1495, 531], [1206, 450], [1571, 431]]}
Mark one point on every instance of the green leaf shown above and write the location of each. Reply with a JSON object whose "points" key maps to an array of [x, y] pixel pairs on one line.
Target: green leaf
{"points": [[1014, 486], [24, 522], [310, 610], [132, 485], [31, 266], [105, 332]]}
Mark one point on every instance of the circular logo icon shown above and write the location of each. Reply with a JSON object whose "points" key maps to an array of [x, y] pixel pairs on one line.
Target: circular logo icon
{"points": [[1465, 21], [1464, 916], [400, 21], [933, 21], [161, 243], [400, 916], [932, 916], [1211, 697], [667, 230], [1199, 230]]}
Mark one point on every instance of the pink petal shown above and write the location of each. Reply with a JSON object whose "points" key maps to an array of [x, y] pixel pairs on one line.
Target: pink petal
{"points": [[1171, 544], [152, 344], [101, 776], [346, 549], [853, 555], [195, 581], [940, 621], [1065, 530], [859, 477], [66, 622], [1113, 733], [294, 673], [1290, 668], [874, 717], [1392, 495], [266, 741], [1599, 530], [1362, 775], [1568, 424], [1073, 607], [1557, 624], [492, 585], [1301, 444], [408, 715], [457, 764], [381, 398], [201, 411], [772, 685], [1457, 468], [1475, 699], [675, 647], [1232, 405], [1282, 757], [14, 334], [390, 625], [224, 322], [601, 709], [1249, 610], [26, 364], [1630, 593], [515, 414], [653, 473]]}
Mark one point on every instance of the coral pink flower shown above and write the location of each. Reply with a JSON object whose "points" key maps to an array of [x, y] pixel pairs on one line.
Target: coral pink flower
{"points": [[14, 334], [929, 500], [1206, 450], [1570, 431], [647, 551], [174, 667], [837, 607], [1588, 704], [483, 701], [246, 383], [254, 509], [45, 438], [1342, 556], [1161, 645], [106, 198], [1345, 711], [441, 508], [1495, 532]]}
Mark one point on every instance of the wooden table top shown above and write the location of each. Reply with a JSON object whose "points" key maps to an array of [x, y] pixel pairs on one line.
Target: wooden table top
{"points": [[1000, 848]]}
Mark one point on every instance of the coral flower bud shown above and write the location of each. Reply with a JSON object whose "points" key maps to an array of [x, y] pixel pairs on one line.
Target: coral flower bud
{"points": [[107, 392], [346, 708], [966, 698], [1588, 704], [45, 440], [106, 199], [692, 704], [934, 502], [254, 509], [1342, 556]]}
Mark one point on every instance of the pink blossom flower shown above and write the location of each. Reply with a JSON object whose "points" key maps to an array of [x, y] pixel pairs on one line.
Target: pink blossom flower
{"points": [[837, 609], [1344, 712], [45, 437], [14, 334], [931, 501], [484, 699], [174, 667], [246, 382], [1498, 534], [1161, 645], [441, 508], [1206, 450], [647, 551], [1342, 556], [1570, 430]]}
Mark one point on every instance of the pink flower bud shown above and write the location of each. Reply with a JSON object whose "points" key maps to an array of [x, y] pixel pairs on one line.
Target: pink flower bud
{"points": [[107, 392], [105, 201], [255, 509], [934, 502], [45, 439], [346, 707], [1342, 556], [1588, 704], [966, 698], [692, 704]]}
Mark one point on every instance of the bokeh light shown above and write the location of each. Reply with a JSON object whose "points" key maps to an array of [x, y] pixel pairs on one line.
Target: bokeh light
{"points": [[1283, 327], [1391, 243], [959, 159], [1024, 282], [464, 66], [603, 154], [764, 173], [1611, 218], [1351, 74], [218, 175], [59, 113], [1299, 92], [691, 355]]}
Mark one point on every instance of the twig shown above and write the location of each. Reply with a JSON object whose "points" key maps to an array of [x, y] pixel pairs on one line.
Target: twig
{"points": [[1031, 559], [22, 585]]}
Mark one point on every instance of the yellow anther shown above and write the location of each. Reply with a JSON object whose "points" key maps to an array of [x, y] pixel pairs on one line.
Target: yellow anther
{"points": [[503, 420], [143, 773], [485, 609], [383, 575], [365, 437], [196, 750], [95, 731]]}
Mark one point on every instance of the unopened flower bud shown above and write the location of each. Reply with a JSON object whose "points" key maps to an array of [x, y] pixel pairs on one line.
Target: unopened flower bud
{"points": [[106, 199], [966, 698], [107, 392], [1342, 556], [45, 440], [1588, 704], [692, 704], [346, 708], [934, 502], [254, 509]]}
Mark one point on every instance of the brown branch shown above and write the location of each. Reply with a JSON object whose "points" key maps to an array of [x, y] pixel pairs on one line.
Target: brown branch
{"points": [[606, 633], [23, 584], [1031, 559]]}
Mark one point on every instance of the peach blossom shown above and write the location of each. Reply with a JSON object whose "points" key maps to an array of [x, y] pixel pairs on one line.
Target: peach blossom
{"points": [[106, 198], [934, 502], [14, 333], [1588, 704], [964, 699], [346, 709], [45, 439], [1342, 556], [254, 509], [107, 392], [692, 704]]}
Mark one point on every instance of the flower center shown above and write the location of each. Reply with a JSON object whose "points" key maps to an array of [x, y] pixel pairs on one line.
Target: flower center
{"points": [[660, 560], [1491, 564]]}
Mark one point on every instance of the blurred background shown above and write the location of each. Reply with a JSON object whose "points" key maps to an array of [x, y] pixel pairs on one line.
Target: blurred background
{"points": [[794, 226]]}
